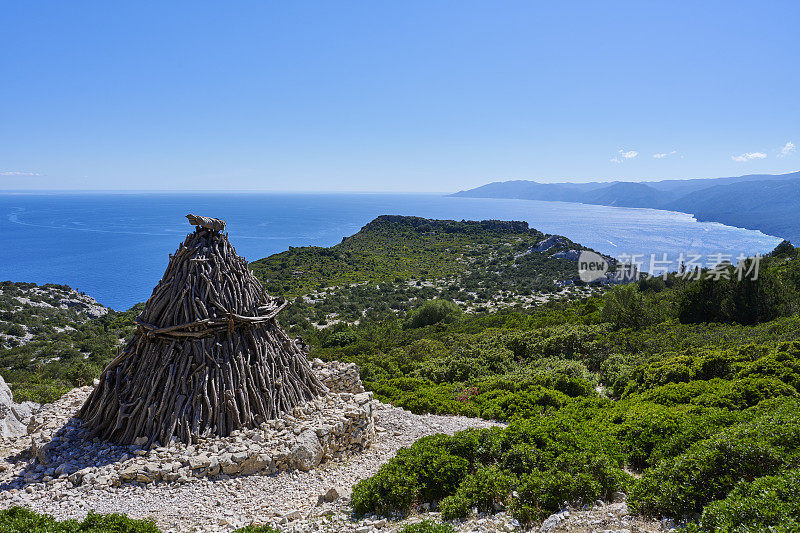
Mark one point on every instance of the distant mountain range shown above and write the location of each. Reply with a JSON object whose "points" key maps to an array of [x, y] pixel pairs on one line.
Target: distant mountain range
{"points": [[766, 202]]}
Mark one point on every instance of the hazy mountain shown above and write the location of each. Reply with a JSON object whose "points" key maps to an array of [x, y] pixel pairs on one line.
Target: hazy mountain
{"points": [[767, 202], [531, 190], [624, 194], [683, 187], [771, 206]]}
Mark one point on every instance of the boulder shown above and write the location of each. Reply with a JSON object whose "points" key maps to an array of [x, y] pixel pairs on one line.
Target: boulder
{"points": [[334, 493], [256, 463], [549, 242], [14, 417], [307, 453], [199, 461], [570, 255], [553, 521]]}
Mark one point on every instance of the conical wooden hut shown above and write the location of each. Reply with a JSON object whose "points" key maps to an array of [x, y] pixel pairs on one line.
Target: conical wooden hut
{"points": [[208, 356]]}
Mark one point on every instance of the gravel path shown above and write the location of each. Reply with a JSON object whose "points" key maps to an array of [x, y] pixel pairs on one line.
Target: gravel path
{"points": [[289, 499]]}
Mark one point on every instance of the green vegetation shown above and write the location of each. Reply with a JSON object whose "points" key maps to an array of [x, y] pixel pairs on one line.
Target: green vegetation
{"points": [[696, 420], [685, 394], [256, 529], [768, 502], [19, 520], [395, 262], [428, 526], [65, 348], [433, 312], [393, 247]]}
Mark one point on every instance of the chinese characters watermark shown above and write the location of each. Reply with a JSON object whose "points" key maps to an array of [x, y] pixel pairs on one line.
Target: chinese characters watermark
{"points": [[632, 267]]}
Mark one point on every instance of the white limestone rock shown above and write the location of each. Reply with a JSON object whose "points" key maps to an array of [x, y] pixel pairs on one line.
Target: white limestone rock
{"points": [[14, 417]]}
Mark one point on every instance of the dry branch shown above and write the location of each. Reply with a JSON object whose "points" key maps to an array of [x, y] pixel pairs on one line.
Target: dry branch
{"points": [[208, 356]]}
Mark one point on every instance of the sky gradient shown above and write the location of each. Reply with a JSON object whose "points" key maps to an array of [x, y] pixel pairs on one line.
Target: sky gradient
{"points": [[402, 96]]}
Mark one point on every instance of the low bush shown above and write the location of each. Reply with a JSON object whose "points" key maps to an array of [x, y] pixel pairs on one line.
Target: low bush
{"points": [[770, 502], [428, 526], [711, 468], [432, 312], [426, 472], [571, 447], [487, 490], [20, 520], [256, 529]]}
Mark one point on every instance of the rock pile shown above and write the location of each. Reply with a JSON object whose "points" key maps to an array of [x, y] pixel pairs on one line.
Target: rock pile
{"points": [[291, 501], [322, 429], [338, 377]]}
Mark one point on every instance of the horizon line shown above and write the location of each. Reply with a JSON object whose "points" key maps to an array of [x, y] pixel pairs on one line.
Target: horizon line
{"points": [[322, 191], [205, 191]]}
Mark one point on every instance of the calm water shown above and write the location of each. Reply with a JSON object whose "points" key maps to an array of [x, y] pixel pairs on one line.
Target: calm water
{"points": [[115, 246]]}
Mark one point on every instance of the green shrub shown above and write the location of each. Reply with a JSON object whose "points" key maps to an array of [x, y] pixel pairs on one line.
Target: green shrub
{"points": [[256, 529], [341, 338], [428, 526], [710, 468], [392, 489], [116, 523], [767, 503], [487, 488], [573, 445], [505, 405], [15, 330], [438, 473], [433, 312], [45, 391], [733, 395], [20, 520], [425, 472], [651, 432], [540, 494], [746, 301], [625, 307]]}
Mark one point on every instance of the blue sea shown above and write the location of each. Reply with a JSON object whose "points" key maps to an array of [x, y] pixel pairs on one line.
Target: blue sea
{"points": [[115, 247]]}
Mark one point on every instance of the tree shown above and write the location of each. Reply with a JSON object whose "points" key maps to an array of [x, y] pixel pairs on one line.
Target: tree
{"points": [[624, 307]]}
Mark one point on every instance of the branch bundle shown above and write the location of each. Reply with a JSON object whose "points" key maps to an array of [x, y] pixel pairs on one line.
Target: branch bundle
{"points": [[208, 356]]}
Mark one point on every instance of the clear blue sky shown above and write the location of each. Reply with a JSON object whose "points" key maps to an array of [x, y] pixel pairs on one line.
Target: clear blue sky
{"points": [[397, 96]]}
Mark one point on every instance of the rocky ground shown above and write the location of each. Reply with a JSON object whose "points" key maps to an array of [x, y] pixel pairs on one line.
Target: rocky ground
{"points": [[316, 500], [53, 471], [290, 499]]}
